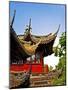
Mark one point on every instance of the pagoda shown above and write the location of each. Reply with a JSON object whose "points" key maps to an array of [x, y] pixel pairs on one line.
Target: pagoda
{"points": [[28, 50]]}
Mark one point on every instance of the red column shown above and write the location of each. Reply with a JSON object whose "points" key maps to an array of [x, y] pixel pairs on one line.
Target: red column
{"points": [[46, 69], [41, 62]]}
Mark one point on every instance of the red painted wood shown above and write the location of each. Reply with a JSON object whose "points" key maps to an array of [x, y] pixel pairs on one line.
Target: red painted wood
{"points": [[36, 67], [46, 69]]}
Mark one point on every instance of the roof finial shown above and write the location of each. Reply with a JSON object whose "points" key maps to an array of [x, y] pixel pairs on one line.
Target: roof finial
{"points": [[28, 27], [58, 29], [13, 18], [30, 24]]}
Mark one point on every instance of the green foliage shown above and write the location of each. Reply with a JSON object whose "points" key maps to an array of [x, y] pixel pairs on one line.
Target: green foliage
{"points": [[62, 60], [61, 63], [62, 41], [50, 68], [60, 80], [55, 49]]}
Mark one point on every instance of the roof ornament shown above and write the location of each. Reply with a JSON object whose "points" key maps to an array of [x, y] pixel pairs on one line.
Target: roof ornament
{"points": [[57, 30], [31, 49], [28, 28], [30, 24], [13, 19]]}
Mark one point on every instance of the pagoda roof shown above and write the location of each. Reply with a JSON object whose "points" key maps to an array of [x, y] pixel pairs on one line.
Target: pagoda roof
{"points": [[43, 39], [36, 41], [28, 44]]}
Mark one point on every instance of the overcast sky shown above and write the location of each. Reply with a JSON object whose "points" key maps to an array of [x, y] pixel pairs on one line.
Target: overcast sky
{"points": [[45, 18]]}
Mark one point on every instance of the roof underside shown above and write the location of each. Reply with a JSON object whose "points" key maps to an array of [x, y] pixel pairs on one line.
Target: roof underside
{"points": [[38, 43], [17, 52], [23, 46], [21, 49]]}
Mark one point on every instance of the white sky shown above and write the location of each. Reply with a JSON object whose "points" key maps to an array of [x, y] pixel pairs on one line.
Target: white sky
{"points": [[51, 60]]}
